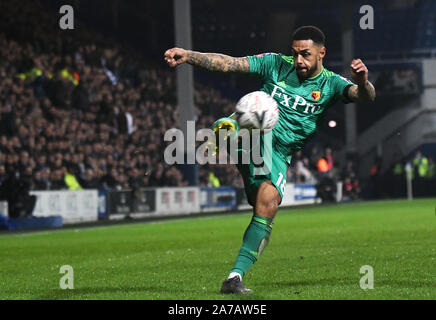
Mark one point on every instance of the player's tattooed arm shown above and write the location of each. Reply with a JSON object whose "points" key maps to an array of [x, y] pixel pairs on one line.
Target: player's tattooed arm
{"points": [[218, 62], [363, 91], [209, 61]]}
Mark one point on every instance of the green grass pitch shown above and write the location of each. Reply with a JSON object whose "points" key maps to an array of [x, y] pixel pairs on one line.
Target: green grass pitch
{"points": [[314, 253]]}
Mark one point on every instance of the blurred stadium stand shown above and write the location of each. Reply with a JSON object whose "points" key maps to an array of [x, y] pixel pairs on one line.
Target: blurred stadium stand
{"points": [[123, 41]]}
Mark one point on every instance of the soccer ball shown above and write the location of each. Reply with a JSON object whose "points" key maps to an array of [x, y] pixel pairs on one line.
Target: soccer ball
{"points": [[257, 110]]}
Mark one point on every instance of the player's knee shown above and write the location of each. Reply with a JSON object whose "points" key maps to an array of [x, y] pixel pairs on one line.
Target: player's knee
{"points": [[267, 210], [267, 202]]}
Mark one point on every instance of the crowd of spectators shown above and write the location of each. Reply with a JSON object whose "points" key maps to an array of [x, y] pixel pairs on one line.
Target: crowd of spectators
{"points": [[78, 105], [392, 182], [78, 110], [318, 165], [75, 103], [66, 113]]}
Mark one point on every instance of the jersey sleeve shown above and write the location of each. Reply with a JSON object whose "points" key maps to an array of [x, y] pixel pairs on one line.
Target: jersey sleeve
{"points": [[341, 86], [263, 64]]}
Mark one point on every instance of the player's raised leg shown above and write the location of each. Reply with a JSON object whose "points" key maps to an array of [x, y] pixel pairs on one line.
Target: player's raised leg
{"points": [[256, 237]]}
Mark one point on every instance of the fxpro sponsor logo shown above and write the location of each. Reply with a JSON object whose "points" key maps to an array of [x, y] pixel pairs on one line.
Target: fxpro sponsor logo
{"points": [[297, 103]]}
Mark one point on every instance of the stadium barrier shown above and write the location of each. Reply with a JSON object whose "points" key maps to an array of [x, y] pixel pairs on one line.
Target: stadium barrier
{"points": [[218, 199], [242, 201], [72, 206], [339, 194], [294, 195], [92, 205], [178, 200], [149, 202], [189, 200], [119, 203], [127, 203], [4, 208], [34, 223], [303, 194]]}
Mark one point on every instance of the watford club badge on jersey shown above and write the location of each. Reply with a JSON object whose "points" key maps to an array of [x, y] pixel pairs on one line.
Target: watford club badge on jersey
{"points": [[316, 95]]}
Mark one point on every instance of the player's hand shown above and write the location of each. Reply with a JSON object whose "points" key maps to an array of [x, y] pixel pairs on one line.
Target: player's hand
{"points": [[359, 72], [175, 56]]}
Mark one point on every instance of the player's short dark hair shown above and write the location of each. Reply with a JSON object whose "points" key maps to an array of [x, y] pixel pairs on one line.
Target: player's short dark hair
{"points": [[309, 33]]}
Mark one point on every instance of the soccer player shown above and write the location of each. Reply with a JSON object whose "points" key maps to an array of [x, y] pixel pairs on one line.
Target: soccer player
{"points": [[304, 90]]}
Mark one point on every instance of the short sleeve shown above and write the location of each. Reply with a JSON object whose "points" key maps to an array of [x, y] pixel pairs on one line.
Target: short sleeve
{"points": [[263, 64], [341, 86]]}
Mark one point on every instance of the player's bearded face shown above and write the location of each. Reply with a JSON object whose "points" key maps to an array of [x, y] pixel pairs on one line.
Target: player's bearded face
{"points": [[307, 58]]}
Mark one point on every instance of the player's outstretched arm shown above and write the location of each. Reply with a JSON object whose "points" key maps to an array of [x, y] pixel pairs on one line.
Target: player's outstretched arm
{"points": [[363, 91], [209, 61]]}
